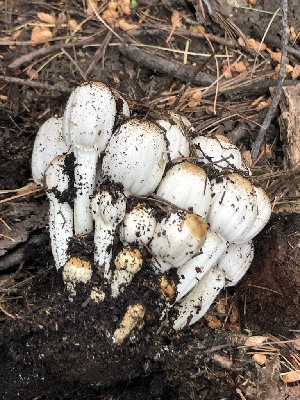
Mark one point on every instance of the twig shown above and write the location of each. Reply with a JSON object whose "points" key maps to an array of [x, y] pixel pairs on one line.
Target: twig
{"points": [[271, 112], [172, 68], [60, 87], [26, 58]]}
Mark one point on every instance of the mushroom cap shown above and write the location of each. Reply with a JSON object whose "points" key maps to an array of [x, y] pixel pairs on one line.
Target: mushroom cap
{"points": [[109, 204], [129, 259], [218, 150], [233, 207], [187, 186], [177, 238], [136, 156], [48, 144], [235, 261], [77, 270], [89, 117], [178, 144], [138, 225]]}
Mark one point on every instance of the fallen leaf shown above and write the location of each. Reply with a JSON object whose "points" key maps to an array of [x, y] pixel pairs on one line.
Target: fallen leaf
{"points": [[259, 358], [125, 6], [176, 20], [110, 16], [197, 28], [239, 67], [255, 45], [32, 73], [227, 71], [255, 340], [126, 26], [48, 18], [296, 71], [40, 34], [92, 5], [73, 25], [291, 376]]}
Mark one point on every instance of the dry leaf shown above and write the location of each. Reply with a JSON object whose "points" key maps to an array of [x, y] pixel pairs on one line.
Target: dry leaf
{"points": [[212, 321], [48, 18], [246, 155], [259, 358], [255, 340], [125, 6], [92, 5], [32, 74], [126, 26], [40, 34], [197, 28], [239, 67], [73, 25], [227, 71], [255, 45], [296, 71], [176, 20], [291, 376], [275, 55], [293, 34], [110, 16]]}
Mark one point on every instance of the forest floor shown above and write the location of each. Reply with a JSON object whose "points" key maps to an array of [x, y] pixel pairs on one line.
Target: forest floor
{"points": [[217, 67]]}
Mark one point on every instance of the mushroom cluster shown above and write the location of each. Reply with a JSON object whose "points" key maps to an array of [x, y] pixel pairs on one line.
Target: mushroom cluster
{"points": [[153, 194]]}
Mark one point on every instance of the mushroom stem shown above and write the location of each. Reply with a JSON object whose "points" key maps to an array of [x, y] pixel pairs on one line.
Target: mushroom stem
{"points": [[196, 268], [85, 177], [108, 207], [61, 213], [198, 301]]}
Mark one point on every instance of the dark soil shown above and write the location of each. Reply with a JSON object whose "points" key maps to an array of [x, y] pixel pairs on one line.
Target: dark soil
{"points": [[51, 348]]}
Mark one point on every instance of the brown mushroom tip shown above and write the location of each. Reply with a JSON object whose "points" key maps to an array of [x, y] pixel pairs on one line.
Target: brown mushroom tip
{"points": [[168, 288], [196, 224], [192, 168], [132, 319], [240, 181], [129, 259], [77, 270]]}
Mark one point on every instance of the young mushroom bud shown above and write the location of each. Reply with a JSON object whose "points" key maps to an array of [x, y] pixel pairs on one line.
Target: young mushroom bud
{"points": [[198, 301], [196, 268], [128, 262], [136, 156], [108, 210], [76, 271], [234, 206], [138, 226], [218, 150], [48, 144], [236, 261], [177, 238], [61, 213], [133, 319], [88, 123], [187, 186], [263, 214]]}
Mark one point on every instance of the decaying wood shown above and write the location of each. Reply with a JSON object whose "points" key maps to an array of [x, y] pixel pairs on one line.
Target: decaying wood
{"points": [[290, 134]]}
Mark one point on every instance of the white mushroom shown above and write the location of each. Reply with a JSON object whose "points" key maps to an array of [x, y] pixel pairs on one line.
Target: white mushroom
{"points": [[218, 150], [233, 208], [198, 301], [236, 261], [48, 144], [138, 226], [263, 215], [133, 319], [194, 270], [88, 123], [61, 213], [177, 238], [136, 157], [108, 210], [187, 186], [128, 262], [178, 144], [76, 271]]}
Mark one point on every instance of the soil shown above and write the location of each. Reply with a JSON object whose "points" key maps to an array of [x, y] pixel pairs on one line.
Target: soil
{"points": [[54, 348]]}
